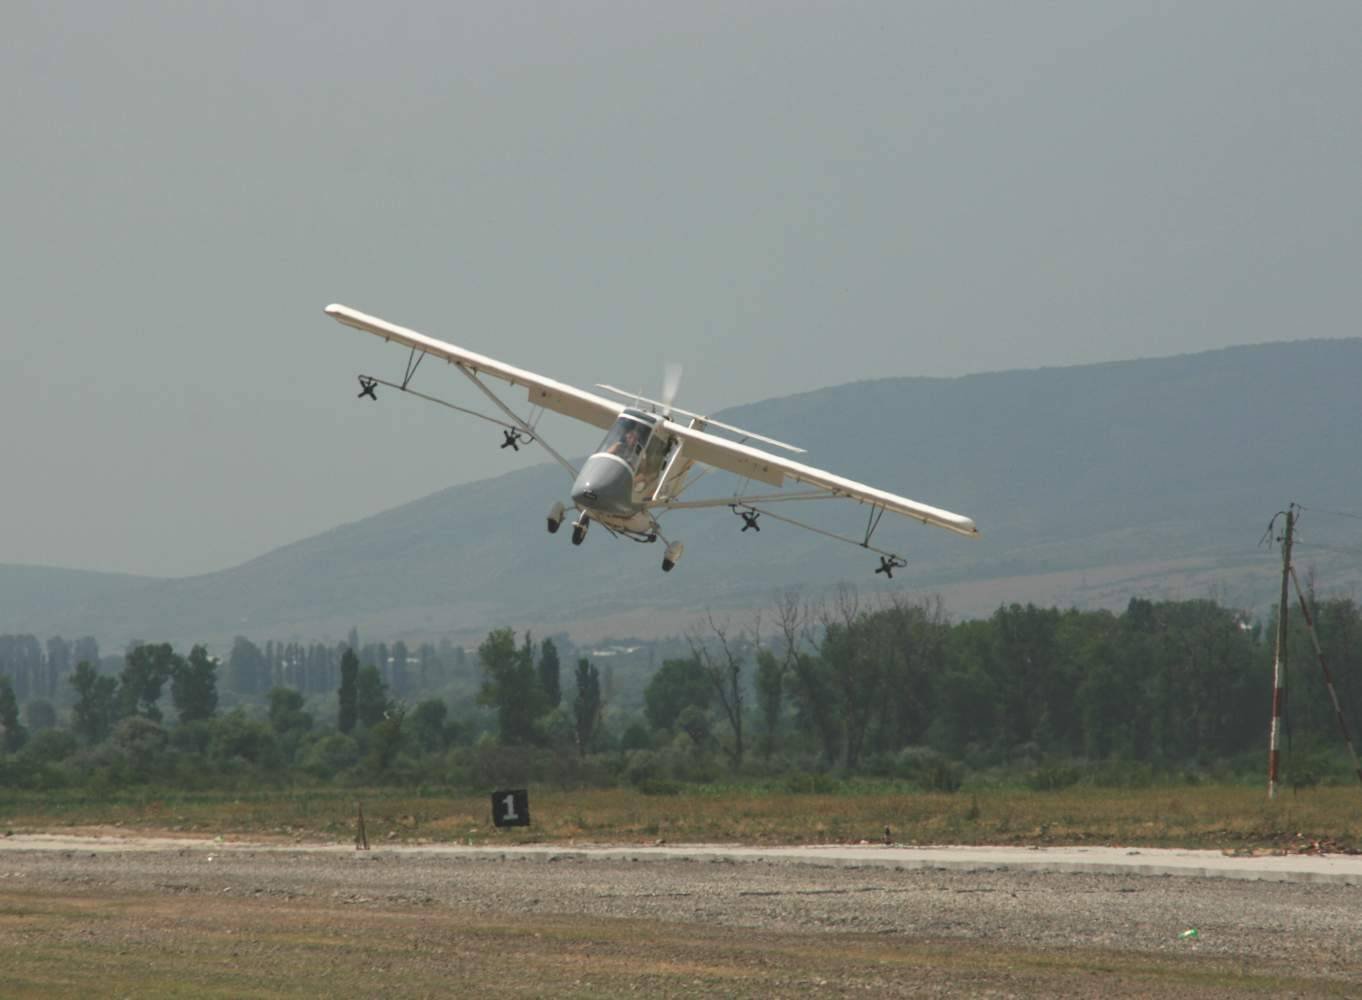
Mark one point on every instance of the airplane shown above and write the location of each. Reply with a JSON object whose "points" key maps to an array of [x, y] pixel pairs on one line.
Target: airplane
{"points": [[644, 465]]}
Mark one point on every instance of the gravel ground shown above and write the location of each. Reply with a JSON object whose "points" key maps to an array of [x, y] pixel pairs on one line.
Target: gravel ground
{"points": [[1252, 919], [1269, 927]]}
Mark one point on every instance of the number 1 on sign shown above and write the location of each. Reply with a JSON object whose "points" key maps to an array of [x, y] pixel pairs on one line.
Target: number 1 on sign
{"points": [[510, 807]]}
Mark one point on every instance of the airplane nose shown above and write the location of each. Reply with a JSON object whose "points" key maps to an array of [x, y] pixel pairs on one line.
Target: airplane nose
{"points": [[605, 485]]}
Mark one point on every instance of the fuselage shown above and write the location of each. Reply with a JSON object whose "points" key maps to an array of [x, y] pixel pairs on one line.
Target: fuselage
{"points": [[616, 482]]}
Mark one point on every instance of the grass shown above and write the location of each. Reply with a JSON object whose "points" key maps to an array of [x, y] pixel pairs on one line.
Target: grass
{"points": [[1206, 816]]}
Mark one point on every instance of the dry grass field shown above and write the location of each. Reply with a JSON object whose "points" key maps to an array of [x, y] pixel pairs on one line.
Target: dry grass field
{"points": [[1207, 816]]}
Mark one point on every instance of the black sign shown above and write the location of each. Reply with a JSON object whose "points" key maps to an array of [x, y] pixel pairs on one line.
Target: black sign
{"points": [[511, 807]]}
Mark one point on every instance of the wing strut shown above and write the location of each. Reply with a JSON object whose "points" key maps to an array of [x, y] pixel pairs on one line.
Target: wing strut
{"points": [[874, 522], [517, 431], [413, 362], [889, 561], [518, 422]]}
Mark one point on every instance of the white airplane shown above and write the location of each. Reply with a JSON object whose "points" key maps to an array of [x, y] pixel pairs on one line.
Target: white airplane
{"points": [[645, 463]]}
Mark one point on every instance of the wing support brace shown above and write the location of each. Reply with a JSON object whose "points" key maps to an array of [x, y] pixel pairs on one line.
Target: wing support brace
{"points": [[514, 429], [746, 507], [522, 425], [667, 473]]}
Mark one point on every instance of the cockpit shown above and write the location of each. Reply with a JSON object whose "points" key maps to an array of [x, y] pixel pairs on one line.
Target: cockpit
{"points": [[628, 439]]}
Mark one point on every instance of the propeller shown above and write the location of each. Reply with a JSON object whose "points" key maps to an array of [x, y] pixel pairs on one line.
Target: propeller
{"points": [[671, 383]]}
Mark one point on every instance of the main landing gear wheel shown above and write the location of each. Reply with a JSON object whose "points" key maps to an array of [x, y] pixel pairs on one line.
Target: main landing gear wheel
{"points": [[579, 529], [555, 518], [669, 560]]}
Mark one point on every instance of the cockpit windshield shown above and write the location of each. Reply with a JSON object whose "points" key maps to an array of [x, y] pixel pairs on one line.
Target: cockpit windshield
{"points": [[627, 439]]}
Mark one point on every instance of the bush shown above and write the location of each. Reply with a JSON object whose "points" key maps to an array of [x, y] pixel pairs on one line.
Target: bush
{"points": [[1052, 777], [660, 786], [49, 746], [331, 755], [929, 770], [141, 742], [640, 766], [812, 784], [1122, 774]]}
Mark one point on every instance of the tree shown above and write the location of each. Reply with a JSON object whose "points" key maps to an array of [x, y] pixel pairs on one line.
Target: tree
{"points": [[349, 671], [427, 724], [12, 733], [194, 686], [398, 673], [677, 685], [141, 740], [815, 703], [386, 739], [586, 707], [724, 670], [146, 668], [41, 715], [549, 673], [237, 740], [371, 696], [247, 671], [286, 711], [93, 713], [770, 680], [855, 671], [58, 663], [510, 684], [695, 723]]}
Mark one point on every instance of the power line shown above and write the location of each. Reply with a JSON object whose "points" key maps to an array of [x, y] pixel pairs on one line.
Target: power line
{"points": [[1331, 513], [1329, 548]]}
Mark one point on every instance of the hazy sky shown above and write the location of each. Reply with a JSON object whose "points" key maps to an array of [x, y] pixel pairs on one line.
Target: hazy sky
{"points": [[779, 196]]}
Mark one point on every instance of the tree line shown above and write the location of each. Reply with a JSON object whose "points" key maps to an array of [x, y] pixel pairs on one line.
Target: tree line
{"points": [[847, 685]]}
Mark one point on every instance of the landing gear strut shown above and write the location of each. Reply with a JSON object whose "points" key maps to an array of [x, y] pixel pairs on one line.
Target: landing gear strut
{"points": [[579, 529]]}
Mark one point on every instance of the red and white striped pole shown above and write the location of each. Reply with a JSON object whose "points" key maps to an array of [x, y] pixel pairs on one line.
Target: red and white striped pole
{"points": [[1279, 664]]}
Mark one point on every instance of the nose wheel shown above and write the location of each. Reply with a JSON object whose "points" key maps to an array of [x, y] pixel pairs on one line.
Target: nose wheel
{"points": [[579, 529]]}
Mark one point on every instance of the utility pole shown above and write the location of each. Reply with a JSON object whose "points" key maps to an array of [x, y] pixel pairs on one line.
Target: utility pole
{"points": [[1279, 662]]}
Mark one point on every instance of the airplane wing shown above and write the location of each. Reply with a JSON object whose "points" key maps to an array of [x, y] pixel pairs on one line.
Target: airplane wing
{"points": [[753, 463], [545, 392]]}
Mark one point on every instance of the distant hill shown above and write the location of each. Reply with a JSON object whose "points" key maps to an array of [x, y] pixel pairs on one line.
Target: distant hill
{"points": [[1089, 483]]}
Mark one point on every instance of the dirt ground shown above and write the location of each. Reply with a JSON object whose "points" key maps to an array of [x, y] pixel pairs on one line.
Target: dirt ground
{"points": [[244, 923]]}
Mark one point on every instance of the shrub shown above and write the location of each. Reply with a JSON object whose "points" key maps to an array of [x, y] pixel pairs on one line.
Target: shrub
{"points": [[659, 786], [1122, 774], [640, 766], [636, 737], [812, 784], [331, 755], [49, 746], [929, 770], [1051, 777]]}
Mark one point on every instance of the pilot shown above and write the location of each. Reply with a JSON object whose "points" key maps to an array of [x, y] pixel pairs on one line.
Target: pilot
{"points": [[627, 446]]}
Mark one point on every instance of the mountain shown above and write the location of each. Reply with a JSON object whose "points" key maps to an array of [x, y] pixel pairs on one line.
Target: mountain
{"points": [[1089, 484]]}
